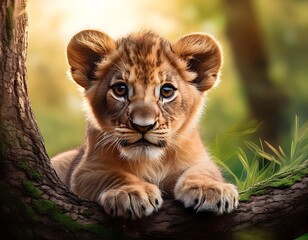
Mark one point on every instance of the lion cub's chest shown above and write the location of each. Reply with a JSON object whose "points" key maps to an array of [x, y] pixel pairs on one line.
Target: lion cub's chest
{"points": [[163, 175]]}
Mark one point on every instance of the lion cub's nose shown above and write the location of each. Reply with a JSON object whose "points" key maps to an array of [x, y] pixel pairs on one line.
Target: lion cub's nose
{"points": [[143, 117], [141, 128]]}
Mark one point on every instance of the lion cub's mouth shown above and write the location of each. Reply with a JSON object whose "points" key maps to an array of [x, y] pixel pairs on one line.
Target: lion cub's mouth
{"points": [[143, 142]]}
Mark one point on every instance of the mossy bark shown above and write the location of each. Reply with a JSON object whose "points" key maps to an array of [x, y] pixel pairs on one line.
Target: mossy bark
{"points": [[282, 180], [28, 183], [34, 204]]}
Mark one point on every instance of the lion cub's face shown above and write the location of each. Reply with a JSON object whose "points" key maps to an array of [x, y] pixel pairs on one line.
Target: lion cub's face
{"points": [[144, 92]]}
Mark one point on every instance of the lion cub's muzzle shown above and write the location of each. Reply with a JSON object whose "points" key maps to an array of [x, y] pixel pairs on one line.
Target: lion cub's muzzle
{"points": [[143, 119]]}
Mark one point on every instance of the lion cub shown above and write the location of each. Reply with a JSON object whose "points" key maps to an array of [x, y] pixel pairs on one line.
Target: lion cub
{"points": [[144, 99]]}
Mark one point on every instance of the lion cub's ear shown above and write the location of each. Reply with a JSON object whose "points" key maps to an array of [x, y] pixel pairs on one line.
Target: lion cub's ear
{"points": [[203, 56], [84, 51]]}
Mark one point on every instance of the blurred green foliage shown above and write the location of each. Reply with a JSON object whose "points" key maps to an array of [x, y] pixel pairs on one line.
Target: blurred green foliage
{"points": [[226, 124], [61, 130]]}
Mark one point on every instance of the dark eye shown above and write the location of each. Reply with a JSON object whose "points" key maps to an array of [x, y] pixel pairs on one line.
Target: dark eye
{"points": [[120, 89], [167, 91]]}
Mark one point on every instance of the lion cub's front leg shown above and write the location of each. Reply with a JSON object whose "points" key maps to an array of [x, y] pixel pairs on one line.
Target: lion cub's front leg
{"points": [[121, 194], [203, 188]]}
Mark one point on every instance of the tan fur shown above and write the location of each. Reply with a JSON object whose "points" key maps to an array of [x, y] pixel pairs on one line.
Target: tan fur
{"points": [[144, 97]]}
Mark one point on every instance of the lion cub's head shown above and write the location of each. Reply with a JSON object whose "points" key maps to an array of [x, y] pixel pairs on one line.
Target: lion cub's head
{"points": [[144, 93]]}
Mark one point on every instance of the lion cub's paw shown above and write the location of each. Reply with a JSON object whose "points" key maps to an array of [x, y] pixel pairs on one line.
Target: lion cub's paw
{"points": [[207, 195], [131, 201]]}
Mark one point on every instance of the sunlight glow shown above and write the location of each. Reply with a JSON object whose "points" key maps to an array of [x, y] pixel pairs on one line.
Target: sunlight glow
{"points": [[117, 18]]}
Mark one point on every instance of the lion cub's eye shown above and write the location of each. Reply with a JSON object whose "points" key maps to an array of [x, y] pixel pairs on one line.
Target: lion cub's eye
{"points": [[120, 89], [167, 91]]}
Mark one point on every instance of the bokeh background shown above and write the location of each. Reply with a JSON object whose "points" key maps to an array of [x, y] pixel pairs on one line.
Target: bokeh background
{"points": [[264, 82]]}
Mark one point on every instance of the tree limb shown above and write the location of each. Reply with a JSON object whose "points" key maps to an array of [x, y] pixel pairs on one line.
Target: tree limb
{"points": [[280, 212]]}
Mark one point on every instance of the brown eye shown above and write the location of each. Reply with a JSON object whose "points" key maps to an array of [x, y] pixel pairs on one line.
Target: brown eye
{"points": [[120, 89], [167, 91]]}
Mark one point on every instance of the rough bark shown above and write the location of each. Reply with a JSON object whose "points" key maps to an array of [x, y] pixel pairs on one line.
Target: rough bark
{"points": [[266, 101], [35, 205], [276, 214]]}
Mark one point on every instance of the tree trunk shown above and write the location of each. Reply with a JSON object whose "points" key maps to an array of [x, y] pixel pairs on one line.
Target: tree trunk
{"points": [[34, 204], [266, 101]]}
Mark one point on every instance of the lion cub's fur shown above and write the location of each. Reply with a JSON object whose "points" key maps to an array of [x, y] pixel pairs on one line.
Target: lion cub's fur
{"points": [[144, 98]]}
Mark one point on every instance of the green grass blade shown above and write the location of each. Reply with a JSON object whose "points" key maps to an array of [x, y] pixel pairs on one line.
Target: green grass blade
{"points": [[276, 152]]}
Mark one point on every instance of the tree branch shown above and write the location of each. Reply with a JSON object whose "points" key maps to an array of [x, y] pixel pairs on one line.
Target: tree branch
{"points": [[277, 209]]}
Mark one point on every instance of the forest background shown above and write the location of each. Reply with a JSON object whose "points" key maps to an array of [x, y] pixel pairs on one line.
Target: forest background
{"points": [[228, 123]]}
